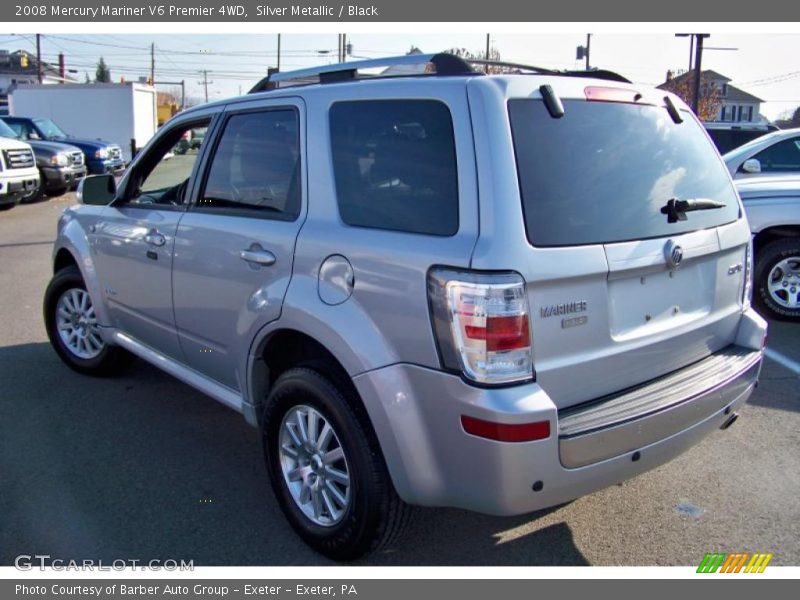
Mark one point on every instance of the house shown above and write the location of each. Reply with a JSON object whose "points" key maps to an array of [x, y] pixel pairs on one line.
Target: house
{"points": [[20, 67], [724, 102]]}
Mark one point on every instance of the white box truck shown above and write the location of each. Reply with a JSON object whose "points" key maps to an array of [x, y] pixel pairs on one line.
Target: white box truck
{"points": [[117, 112]]}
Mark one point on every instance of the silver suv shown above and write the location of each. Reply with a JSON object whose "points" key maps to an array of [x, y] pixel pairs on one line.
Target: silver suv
{"points": [[426, 285]]}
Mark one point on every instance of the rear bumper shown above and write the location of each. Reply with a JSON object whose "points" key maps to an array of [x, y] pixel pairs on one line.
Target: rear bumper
{"points": [[433, 461]]}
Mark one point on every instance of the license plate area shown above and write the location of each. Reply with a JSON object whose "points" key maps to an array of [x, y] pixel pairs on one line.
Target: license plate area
{"points": [[646, 303]]}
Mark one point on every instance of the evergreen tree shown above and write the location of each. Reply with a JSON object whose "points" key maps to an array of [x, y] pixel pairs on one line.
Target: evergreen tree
{"points": [[102, 75]]}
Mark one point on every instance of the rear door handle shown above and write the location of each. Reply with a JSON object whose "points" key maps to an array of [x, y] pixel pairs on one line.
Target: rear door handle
{"points": [[258, 256], [155, 238]]}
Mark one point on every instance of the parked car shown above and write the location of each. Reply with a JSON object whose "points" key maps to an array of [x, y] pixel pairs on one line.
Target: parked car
{"points": [[100, 156], [19, 178], [773, 211], [61, 166], [772, 154], [727, 136], [323, 265]]}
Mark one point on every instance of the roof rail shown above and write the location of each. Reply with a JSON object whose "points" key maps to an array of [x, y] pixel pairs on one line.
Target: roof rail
{"points": [[444, 65], [511, 65]]}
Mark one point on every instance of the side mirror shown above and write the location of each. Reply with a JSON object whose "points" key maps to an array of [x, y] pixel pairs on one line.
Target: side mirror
{"points": [[97, 190], [751, 165]]}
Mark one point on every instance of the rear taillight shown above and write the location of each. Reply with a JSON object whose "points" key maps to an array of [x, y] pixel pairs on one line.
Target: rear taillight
{"points": [[747, 293], [481, 324]]}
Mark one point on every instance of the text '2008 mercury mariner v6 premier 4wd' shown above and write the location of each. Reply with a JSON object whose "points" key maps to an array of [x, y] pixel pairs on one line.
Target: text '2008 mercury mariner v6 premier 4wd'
{"points": [[492, 292]]}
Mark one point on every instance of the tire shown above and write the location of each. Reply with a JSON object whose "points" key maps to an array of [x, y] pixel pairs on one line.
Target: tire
{"points": [[777, 263], [372, 515], [98, 360], [8, 205]]}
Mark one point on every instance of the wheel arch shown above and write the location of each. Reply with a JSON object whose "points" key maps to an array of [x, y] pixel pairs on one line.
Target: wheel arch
{"points": [[770, 234], [72, 248]]}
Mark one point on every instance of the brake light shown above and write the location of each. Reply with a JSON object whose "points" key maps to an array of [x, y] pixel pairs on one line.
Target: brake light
{"points": [[613, 94], [482, 325]]}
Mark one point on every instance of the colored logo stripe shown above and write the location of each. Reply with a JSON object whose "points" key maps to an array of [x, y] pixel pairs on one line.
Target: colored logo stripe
{"points": [[758, 563], [733, 563], [711, 562]]}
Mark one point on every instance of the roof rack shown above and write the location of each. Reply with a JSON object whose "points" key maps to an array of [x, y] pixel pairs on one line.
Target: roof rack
{"points": [[443, 64]]}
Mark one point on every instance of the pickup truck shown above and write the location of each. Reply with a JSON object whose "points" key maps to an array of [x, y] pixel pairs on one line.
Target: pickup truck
{"points": [[19, 178], [61, 166], [101, 156], [773, 211]]}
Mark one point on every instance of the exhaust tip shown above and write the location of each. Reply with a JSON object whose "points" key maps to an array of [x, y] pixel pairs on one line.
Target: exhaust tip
{"points": [[730, 421]]}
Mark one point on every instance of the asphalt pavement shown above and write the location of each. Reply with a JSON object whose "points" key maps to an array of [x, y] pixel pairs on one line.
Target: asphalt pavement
{"points": [[144, 467]]}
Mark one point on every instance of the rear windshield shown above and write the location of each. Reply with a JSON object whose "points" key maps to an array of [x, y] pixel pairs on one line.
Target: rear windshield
{"points": [[603, 171]]}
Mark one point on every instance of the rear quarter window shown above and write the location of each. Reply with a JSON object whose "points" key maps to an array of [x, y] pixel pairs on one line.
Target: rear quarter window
{"points": [[394, 163]]}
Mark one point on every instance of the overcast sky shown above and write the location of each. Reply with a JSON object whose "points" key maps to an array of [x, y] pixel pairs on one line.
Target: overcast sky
{"points": [[765, 65]]}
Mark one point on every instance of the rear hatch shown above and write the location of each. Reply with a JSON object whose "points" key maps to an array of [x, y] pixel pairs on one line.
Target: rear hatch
{"points": [[619, 293]]}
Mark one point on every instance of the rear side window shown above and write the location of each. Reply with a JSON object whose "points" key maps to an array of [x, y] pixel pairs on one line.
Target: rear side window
{"points": [[256, 166], [394, 162], [781, 157], [603, 171]]}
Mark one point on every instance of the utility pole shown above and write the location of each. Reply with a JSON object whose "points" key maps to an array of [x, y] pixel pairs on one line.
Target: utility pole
{"points": [[344, 47], [697, 40], [152, 64], [698, 60], [205, 82], [39, 70], [183, 94], [488, 50], [588, 46], [279, 52]]}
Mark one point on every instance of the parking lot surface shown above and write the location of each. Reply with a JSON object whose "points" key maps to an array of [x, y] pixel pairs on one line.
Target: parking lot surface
{"points": [[144, 467]]}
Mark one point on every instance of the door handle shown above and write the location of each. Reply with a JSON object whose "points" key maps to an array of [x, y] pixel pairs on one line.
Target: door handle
{"points": [[154, 238], [258, 256]]}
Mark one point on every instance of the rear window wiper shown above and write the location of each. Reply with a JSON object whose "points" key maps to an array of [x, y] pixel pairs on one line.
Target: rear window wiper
{"points": [[676, 209]]}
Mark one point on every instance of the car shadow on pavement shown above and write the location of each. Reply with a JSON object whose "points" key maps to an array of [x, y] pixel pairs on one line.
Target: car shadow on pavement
{"points": [[143, 467]]}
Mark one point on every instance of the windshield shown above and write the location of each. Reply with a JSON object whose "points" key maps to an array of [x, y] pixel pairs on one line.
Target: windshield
{"points": [[49, 129], [6, 131], [603, 172]]}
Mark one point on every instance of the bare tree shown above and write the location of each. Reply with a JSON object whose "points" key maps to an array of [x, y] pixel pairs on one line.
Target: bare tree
{"points": [[494, 56], [789, 119]]}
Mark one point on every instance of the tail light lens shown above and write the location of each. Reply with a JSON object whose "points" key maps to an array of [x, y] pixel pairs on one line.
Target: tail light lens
{"points": [[481, 324], [747, 294]]}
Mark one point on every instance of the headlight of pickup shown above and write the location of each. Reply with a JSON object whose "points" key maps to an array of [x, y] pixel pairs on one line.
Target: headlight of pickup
{"points": [[101, 154], [59, 160]]}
